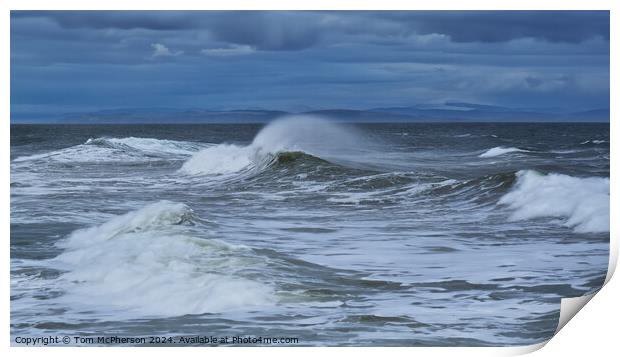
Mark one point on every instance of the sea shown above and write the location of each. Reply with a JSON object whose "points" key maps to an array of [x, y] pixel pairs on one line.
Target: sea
{"points": [[305, 230]]}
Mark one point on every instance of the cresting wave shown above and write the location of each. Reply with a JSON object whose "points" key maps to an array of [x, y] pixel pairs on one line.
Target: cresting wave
{"points": [[118, 149], [583, 201], [149, 262], [148, 145], [304, 134], [500, 150]]}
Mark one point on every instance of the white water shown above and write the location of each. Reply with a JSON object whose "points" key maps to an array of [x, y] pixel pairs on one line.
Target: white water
{"points": [[499, 150], [312, 135], [146, 263], [584, 202], [596, 142], [116, 150], [319, 239], [149, 145]]}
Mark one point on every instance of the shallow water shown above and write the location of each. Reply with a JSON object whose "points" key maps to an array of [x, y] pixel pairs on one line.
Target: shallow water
{"points": [[374, 234]]}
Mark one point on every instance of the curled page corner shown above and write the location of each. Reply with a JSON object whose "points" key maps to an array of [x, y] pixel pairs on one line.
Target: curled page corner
{"points": [[523, 350], [569, 307], [613, 259]]}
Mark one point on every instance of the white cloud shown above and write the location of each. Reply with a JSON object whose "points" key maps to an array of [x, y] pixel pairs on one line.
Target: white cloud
{"points": [[233, 50], [159, 50]]}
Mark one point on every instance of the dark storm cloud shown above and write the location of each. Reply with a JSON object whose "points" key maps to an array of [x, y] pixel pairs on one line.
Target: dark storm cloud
{"points": [[291, 59], [501, 26], [262, 29], [152, 20], [284, 30], [266, 30]]}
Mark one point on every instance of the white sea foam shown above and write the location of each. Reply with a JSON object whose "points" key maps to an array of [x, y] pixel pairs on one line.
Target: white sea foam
{"points": [[314, 136], [149, 145], [596, 142], [500, 150], [148, 263], [223, 159], [117, 149], [584, 202], [81, 153]]}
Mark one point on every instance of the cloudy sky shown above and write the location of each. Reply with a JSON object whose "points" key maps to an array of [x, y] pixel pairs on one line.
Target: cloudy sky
{"points": [[73, 61]]}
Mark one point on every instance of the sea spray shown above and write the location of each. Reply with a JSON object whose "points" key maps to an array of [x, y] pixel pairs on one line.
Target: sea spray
{"points": [[311, 135]]}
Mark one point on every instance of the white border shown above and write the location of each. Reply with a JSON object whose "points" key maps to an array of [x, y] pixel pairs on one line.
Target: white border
{"points": [[593, 329]]}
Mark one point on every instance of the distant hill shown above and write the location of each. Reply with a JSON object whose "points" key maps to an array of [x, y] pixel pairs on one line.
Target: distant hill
{"points": [[485, 113], [173, 116], [448, 112]]}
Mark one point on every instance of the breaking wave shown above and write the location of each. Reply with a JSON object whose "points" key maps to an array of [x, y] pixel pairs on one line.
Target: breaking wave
{"points": [[118, 149], [584, 202], [148, 145], [500, 150], [279, 140], [149, 262]]}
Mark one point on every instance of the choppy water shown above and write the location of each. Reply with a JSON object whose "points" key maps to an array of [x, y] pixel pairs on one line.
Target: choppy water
{"points": [[376, 234]]}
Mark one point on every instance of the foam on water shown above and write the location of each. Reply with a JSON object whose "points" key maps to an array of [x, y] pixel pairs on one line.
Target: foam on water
{"points": [[583, 201], [149, 145], [595, 142], [149, 263], [500, 150], [117, 149], [223, 159], [311, 135]]}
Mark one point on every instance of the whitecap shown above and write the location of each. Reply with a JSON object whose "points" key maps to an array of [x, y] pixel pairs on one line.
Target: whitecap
{"points": [[583, 201], [500, 150], [596, 142], [129, 149], [148, 262], [310, 135]]}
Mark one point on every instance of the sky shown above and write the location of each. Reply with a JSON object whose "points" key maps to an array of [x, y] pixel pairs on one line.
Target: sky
{"points": [[81, 61]]}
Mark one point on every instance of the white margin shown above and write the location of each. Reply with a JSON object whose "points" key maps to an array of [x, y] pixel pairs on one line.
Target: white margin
{"points": [[599, 327]]}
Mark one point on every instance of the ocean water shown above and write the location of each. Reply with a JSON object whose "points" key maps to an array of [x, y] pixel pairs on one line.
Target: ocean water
{"points": [[335, 234]]}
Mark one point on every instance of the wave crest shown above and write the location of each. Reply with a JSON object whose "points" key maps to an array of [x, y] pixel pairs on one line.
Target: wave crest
{"points": [[145, 259], [117, 150], [148, 145], [583, 201], [150, 217], [500, 150], [276, 142]]}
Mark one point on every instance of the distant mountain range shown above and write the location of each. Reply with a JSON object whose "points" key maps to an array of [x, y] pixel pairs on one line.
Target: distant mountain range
{"points": [[449, 112]]}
